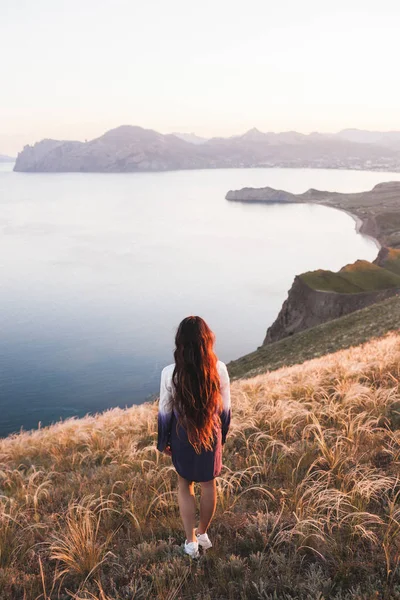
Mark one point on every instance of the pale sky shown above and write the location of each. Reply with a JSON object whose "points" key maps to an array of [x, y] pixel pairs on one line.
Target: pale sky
{"points": [[71, 69]]}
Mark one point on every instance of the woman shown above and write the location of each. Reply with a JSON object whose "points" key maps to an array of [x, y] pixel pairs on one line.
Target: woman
{"points": [[193, 419]]}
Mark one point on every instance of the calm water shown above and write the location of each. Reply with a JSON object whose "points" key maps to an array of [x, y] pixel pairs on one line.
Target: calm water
{"points": [[97, 270]]}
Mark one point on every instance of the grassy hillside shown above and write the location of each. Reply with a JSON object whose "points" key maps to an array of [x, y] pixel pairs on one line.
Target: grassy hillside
{"points": [[389, 224], [362, 276], [309, 497], [353, 329], [392, 261]]}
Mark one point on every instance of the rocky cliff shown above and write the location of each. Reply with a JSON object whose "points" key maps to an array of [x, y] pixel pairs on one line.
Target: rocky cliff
{"points": [[42, 155], [306, 307]]}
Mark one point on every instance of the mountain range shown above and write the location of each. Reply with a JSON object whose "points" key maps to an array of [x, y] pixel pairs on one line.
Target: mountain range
{"points": [[382, 138], [130, 148]]}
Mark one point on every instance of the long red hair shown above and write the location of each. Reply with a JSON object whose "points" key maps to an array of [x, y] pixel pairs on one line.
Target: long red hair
{"points": [[197, 396]]}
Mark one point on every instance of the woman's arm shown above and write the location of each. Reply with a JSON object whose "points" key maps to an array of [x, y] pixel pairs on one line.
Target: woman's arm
{"points": [[226, 402], [164, 413]]}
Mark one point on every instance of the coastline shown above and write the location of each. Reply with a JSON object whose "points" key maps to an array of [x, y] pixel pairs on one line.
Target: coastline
{"points": [[361, 226], [371, 169], [376, 212]]}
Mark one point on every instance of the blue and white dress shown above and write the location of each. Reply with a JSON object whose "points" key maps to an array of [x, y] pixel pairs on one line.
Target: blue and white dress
{"points": [[188, 464]]}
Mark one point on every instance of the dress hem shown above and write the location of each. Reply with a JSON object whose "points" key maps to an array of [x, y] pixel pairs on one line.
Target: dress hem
{"points": [[196, 480]]}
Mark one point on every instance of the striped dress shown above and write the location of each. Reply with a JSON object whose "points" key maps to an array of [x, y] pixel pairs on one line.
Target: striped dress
{"points": [[188, 464]]}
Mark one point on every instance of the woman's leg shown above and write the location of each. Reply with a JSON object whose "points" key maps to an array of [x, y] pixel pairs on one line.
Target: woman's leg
{"points": [[187, 506], [208, 502]]}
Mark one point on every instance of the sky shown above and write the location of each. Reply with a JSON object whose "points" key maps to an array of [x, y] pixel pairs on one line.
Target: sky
{"points": [[72, 69]]}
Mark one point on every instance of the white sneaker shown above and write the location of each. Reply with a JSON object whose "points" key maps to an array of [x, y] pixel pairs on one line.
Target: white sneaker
{"points": [[203, 540], [192, 548]]}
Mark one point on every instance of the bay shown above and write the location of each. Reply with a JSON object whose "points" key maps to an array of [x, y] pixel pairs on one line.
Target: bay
{"points": [[97, 270]]}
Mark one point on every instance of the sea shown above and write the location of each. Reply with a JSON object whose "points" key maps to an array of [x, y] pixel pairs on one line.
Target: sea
{"points": [[97, 270]]}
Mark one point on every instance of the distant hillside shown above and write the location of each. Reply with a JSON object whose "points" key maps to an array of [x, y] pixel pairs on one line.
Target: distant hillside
{"points": [[350, 330], [5, 158], [123, 149], [389, 258], [129, 149], [382, 138]]}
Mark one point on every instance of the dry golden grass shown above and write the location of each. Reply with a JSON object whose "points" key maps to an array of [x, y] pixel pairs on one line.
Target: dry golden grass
{"points": [[309, 497]]}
